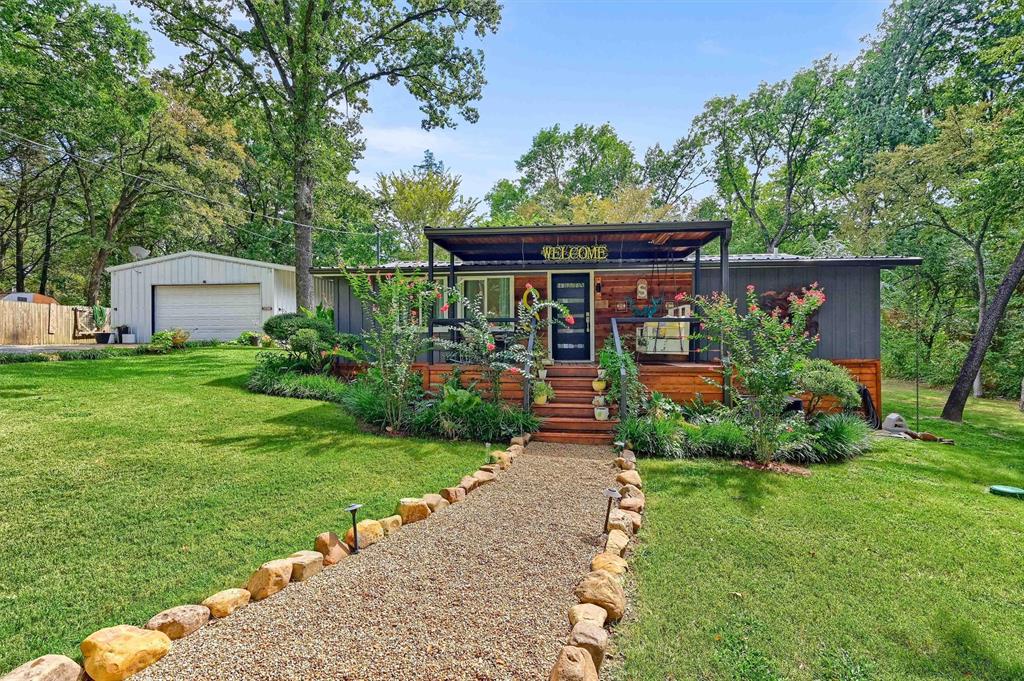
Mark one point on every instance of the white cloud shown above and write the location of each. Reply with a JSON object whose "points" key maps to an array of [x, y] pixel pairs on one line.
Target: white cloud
{"points": [[407, 141]]}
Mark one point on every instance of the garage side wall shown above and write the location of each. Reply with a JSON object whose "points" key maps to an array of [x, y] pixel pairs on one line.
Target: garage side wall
{"points": [[131, 289]]}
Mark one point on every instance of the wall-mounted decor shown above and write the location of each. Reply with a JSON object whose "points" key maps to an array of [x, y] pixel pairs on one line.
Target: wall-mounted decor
{"points": [[641, 289], [594, 253]]}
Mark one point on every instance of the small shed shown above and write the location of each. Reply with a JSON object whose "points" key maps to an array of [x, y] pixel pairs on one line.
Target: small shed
{"points": [[213, 297]]}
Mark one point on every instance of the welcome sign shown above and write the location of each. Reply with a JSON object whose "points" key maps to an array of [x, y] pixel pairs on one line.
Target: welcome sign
{"points": [[591, 253]]}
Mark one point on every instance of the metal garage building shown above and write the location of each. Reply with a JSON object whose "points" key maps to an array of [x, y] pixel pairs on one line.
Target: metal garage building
{"points": [[211, 296]]}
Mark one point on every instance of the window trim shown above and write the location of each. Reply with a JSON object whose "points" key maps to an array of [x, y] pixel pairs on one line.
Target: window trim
{"points": [[483, 278]]}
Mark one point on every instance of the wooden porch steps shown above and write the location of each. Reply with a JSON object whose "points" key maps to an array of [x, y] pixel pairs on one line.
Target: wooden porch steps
{"points": [[569, 418]]}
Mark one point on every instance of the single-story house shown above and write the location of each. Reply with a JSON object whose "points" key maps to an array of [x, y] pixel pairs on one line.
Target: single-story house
{"points": [[621, 279], [213, 297]]}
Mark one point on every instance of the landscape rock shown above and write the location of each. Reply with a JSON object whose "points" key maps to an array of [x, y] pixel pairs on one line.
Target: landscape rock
{"points": [[587, 612], [630, 477], [518, 440], [632, 504], [618, 520], [490, 468], [115, 653], [573, 664], [617, 542], [453, 495], [502, 459], [370, 532], [516, 450], [223, 603], [592, 638], [624, 464], [305, 564], [635, 518], [435, 502], [181, 621], [609, 562], [270, 578], [469, 483], [47, 668], [413, 510], [484, 477], [603, 589], [391, 524], [629, 491], [330, 547], [628, 455]]}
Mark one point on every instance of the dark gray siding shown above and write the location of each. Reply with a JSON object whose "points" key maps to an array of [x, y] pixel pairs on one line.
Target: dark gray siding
{"points": [[348, 311], [850, 320]]}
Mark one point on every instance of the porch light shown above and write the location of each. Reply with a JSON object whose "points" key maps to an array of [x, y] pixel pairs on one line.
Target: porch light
{"points": [[354, 509], [613, 496]]}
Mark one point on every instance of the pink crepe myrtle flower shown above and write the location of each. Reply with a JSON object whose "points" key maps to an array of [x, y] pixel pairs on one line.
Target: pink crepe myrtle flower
{"points": [[753, 308], [679, 296], [388, 275], [490, 347], [750, 288], [529, 286], [570, 320], [444, 308]]}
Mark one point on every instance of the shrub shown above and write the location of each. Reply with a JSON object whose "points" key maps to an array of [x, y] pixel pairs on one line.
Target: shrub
{"points": [[248, 338], [821, 378], [66, 355], [461, 414], [274, 375], [361, 398], [840, 437], [721, 439], [612, 363], [283, 326], [651, 436], [697, 409], [160, 344], [179, 337]]}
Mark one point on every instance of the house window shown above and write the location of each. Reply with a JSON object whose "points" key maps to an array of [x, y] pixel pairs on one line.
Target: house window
{"points": [[494, 294]]}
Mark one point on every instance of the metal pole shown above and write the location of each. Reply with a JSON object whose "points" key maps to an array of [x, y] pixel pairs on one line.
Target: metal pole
{"points": [[724, 289], [353, 509], [695, 348], [430, 278]]}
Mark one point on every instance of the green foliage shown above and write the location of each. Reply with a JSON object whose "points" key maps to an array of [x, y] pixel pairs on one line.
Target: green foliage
{"points": [[248, 338], [99, 317], [650, 436], [179, 337], [321, 312], [541, 389], [361, 398], [461, 414], [613, 363], [840, 437], [766, 352], [66, 355], [275, 374], [822, 378], [160, 343], [723, 438], [281, 327]]}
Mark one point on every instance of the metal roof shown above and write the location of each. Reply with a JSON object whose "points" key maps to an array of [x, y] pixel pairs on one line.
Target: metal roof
{"points": [[199, 254]]}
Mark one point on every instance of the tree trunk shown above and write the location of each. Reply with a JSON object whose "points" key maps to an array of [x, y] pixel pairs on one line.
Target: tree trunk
{"points": [[99, 261], [979, 260], [304, 182], [1020, 405], [954, 408]]}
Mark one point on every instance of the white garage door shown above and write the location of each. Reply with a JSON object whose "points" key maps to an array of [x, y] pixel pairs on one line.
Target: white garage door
{"points": [[220, 311]]}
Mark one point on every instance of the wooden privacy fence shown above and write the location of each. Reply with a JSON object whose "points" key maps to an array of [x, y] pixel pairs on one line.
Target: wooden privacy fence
{"points": [[38, 324]]}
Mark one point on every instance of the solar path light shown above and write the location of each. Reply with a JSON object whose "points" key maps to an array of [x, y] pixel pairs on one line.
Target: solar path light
{"points": [[613, 496], [354, 509]]}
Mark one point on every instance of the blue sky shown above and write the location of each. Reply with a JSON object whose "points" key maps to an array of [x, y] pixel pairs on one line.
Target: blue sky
{"points": [[645, 67]]}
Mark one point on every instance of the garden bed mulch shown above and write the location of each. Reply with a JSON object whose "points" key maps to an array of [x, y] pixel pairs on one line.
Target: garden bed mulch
{"points": [[776, 467], [479, 590]]}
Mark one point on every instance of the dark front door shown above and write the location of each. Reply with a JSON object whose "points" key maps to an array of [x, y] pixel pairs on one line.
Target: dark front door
{"points": [[572, 343]]}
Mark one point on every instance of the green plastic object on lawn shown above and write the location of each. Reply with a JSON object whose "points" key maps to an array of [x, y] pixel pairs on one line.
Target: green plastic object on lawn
{"points": [[1007, 491]]}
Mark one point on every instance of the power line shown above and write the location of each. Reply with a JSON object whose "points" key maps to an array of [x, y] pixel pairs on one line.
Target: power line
{"points": [[179, 190]]}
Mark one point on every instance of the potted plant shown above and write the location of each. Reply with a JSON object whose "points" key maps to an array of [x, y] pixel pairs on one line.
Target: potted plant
{"points": [[599, 401], [602, 374], [599, 384], [99, 320], [601, 413], [542, 392]]}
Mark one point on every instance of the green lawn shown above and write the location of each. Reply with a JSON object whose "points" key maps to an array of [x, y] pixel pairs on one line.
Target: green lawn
{"points": [[898, 565], [131, 485]]}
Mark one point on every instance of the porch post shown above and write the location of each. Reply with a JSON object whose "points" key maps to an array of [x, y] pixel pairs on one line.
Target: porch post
{"points": [[430, 278], [451, 285], [724, 289], [694, 349]]}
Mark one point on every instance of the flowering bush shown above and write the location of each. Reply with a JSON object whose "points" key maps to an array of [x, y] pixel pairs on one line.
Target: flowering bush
{"points": [[395, 338], [765, 352], [476, 345]]}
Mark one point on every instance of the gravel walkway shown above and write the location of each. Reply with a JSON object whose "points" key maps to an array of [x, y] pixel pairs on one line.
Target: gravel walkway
{"points": [[479, 590]]}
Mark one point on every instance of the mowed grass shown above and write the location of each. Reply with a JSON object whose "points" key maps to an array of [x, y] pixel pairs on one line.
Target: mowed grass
{"points": [[131, 485], [899, 565]]}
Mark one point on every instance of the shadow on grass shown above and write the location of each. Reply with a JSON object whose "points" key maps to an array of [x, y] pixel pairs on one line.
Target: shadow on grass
{"points": [[746, 487], [965, 654]]}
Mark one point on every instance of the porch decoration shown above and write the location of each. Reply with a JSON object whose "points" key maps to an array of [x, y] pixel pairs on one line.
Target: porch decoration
{"points": [[574, 253], [542, 392]]}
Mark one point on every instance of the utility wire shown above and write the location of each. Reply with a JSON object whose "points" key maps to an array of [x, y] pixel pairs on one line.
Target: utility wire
{"points": [[179, 190]]}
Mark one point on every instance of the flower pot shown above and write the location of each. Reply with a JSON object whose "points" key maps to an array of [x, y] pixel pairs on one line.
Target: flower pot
{"points": [[103, 337], [599, 384], [542, 374], [540, 399], [602, 374], [601, 413], [598, 401]]}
